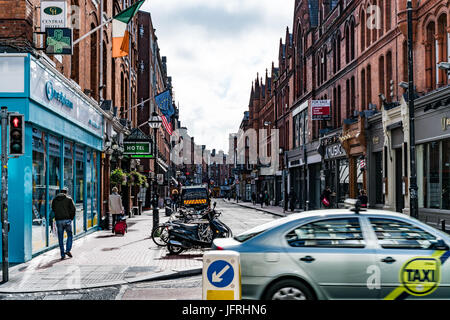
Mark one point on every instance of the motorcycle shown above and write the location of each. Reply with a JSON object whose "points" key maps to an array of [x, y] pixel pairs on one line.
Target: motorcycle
{"points": [[160, 234], [198, 235]]}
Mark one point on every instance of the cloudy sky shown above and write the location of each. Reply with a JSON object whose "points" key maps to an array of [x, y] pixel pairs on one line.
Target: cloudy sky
{"points": [[214, 49]]}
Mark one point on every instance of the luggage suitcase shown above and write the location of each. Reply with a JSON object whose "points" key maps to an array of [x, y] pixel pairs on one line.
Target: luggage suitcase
{"points": [[120, 227]]}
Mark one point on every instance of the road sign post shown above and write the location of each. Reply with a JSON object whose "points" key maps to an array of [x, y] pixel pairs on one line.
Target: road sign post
{"points": [[221, 275]]}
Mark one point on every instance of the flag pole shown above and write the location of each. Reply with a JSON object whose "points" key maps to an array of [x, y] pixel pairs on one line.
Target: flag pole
{"points": [[92, 31]]}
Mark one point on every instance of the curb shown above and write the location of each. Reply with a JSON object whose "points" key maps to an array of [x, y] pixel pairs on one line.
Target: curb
{"points": [[155, 277], [258, 209]]}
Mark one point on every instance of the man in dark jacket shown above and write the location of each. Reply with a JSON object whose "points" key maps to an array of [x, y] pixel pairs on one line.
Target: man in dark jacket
{"points": [[64, 210]]}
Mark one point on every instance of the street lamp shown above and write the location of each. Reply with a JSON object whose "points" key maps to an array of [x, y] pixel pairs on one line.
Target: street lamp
{"points": [[413, 200], [155, 123]]}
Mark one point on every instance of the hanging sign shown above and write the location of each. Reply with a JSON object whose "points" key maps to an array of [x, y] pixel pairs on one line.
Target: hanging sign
{"points": [[58, 41], [53, 14], [321, 109]]}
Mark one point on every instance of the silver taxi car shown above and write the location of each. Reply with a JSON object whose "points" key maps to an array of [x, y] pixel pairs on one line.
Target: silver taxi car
{"points": [[343, 254]]}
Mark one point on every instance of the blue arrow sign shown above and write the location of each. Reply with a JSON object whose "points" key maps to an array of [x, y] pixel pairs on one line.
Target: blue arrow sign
{"points": [[220, 273]]}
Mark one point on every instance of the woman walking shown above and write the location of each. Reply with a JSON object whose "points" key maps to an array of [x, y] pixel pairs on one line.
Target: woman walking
{"points": [[115, 206]]}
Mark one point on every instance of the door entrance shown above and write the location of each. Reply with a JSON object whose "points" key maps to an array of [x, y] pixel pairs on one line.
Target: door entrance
{"points": [[399, 198]]}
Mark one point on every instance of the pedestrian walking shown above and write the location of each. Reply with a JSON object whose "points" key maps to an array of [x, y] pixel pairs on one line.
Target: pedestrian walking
{"points": [[261, 199], [266, 198], [254, 198], [325, 197], [363, 198], [115, 206], [64, 213], [292, 200]]}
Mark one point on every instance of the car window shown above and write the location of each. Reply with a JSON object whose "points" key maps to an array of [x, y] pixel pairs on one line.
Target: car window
{"points": [[397, 234], [334, 233]]}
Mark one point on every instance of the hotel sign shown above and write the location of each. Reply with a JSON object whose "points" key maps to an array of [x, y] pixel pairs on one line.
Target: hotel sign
{"points": [[53, 14], [138, 149]]}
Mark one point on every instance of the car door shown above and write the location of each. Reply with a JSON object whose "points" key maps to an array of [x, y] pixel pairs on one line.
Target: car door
{"points": [[410, 267], [336, 255]]}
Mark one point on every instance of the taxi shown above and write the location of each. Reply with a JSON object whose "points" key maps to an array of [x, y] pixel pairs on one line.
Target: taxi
{"points": [[343, 254]]}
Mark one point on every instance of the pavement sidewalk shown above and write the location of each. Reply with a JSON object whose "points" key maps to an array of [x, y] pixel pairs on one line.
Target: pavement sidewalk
{"points": [[104, 259], [275, 210]]}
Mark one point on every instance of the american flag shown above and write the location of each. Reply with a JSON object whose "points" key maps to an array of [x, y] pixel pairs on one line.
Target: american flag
{"points": [[167, 124]]}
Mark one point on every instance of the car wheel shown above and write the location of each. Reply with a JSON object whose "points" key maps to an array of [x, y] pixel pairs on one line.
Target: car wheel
{"points": [[288, 289]]}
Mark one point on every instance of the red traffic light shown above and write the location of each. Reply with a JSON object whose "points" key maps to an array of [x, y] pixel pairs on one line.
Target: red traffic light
{"points": [[15, 122]]}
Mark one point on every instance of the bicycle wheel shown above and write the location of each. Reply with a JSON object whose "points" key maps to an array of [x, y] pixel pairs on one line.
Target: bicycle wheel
{"points": [[160, 235]]}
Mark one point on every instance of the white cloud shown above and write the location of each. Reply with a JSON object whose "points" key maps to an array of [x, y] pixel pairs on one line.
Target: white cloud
{"points": [[214, 49]]}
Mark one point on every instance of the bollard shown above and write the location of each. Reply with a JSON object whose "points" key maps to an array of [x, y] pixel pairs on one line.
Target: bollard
{"points": [[221, 275]]}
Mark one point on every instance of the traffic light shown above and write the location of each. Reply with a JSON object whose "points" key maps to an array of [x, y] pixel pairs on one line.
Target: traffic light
{"points": [[16, 135]]}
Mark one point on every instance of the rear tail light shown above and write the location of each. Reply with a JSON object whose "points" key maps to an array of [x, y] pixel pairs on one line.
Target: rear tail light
{"points": [[219, 248]]}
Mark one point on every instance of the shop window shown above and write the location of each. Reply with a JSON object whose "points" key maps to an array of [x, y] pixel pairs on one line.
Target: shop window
{"points": [[89, 188], [379, 196], [39, 212], [54, 172], [344, 180], [434, 188], [79, 189], [433, 162], [68, 167], [446, 174], [331, 233]]}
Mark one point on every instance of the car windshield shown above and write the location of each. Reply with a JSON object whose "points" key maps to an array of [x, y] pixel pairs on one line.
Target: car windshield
{"points": [[247, 235], [195, 193]]}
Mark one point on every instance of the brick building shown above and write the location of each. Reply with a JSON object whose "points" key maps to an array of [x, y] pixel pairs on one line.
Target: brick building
{"points": [[354, 54]]}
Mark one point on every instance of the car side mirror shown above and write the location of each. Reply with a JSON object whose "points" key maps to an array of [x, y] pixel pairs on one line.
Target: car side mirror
{"points": [[440, 245]]}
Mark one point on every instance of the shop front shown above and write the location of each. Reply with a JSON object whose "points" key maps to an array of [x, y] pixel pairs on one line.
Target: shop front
{"points": [[315, 178], [63, 144], [432, 131], [353, 141], [375, 143], [296, 181], [335, 169]]}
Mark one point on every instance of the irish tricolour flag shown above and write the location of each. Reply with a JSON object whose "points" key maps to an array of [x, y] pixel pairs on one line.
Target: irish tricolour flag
{"points": [[119, 29]]}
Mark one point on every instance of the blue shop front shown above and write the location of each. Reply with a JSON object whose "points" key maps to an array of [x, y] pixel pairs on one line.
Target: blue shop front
{"points": [[63, 143]]}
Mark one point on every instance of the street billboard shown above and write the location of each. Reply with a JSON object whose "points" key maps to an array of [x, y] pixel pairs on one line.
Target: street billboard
{"points": [[320, 109]]}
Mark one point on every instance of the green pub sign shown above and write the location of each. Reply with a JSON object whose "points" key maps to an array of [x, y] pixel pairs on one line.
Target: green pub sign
{"points": [[138, 149]]}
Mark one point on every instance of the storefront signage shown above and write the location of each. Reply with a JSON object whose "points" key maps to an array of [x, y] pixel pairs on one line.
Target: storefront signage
{"points": [[321, 109], [347, 136], [53, 14], [137, 148], [54, 93], [59, 96], [334, 151], [445, 123], [376, 140], [58, 41]]}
